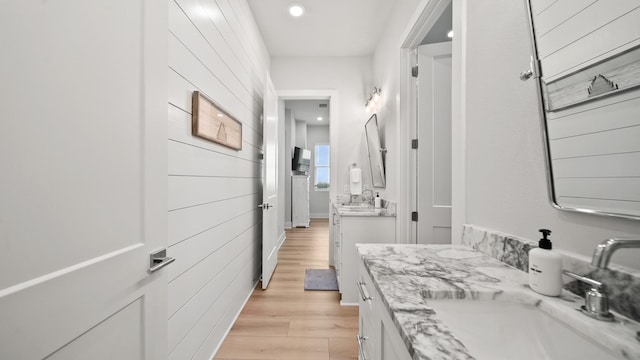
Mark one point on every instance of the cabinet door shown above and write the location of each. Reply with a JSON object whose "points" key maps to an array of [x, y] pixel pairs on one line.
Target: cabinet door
{"points": [[391, 345], [366, 338], [354, 230], [338, 251], [300, 201], [368, 341], [334, 236]]}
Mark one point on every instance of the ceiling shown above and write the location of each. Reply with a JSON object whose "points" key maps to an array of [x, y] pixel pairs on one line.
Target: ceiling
{"points": [[308, 111], [441, 28], [327, 28]]}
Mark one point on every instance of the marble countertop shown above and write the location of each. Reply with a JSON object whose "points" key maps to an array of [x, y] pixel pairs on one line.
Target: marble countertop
{"points": [[408, 276], [350, 210]]}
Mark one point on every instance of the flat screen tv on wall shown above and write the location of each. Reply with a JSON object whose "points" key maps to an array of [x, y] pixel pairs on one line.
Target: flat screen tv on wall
{"points": [[301, 159]]}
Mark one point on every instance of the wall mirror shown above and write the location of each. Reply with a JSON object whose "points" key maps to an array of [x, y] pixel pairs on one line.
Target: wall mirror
{"points": [[376, 152], [586, 60]]}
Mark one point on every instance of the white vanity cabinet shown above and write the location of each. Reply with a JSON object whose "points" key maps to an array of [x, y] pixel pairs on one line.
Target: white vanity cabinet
{"points": [[378, 338], [300, 201], [349, 230]]}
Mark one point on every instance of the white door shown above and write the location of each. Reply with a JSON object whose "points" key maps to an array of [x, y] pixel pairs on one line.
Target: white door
{"points": [[434, 144], [270, 184], [83, 190]]}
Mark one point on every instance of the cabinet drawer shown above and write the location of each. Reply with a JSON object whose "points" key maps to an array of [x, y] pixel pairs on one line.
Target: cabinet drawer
{"points": [[366, 292]]}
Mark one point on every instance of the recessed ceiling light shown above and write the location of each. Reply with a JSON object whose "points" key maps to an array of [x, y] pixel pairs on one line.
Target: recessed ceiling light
{"points": [[296, 10], [450, 34], [220, 115], [319, 118]]}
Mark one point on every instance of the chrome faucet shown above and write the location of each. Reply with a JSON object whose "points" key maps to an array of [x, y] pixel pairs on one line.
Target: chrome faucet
{"points": [[596, 299], [605, 249]]}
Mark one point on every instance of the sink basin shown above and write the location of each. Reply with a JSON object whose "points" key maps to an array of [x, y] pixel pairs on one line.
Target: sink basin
{"points": [[510, 330]]}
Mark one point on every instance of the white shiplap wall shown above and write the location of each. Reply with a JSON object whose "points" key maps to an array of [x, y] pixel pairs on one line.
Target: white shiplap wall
{"points": [[214, 224], [594, 146]]}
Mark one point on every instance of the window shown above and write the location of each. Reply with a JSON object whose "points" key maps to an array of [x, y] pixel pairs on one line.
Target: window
{"points": [[321, 181]]}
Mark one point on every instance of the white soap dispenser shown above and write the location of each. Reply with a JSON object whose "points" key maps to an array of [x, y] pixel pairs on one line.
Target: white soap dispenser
{"points": [[545, 268], [377, 201]]}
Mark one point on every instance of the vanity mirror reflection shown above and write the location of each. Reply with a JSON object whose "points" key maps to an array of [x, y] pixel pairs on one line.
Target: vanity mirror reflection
{"points": [[586, 60], [376, 152]]}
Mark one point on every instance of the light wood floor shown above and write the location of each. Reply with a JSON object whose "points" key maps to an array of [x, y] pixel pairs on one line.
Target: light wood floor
{"points": [[286, 322]]}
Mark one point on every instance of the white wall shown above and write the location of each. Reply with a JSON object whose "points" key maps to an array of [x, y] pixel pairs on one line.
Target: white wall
{"points": [[290, 140], [214, 223], [301, 134], [505, 170], [318, 199], [350, 77], [497, 134], [387, 75], [283, 174]]}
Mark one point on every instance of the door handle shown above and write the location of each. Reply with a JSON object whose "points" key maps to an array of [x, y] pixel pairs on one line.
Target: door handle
{"points": [[361, 339], [266, 206], [159, 259], [526, 74], [364, 294]]}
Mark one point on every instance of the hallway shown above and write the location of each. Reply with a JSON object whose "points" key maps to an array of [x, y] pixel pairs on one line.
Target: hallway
{"points": [[287, 322]]}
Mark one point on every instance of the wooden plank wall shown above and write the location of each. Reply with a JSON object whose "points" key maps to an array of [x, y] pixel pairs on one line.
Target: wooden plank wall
{"points": [[214, 224], [595, 149]]}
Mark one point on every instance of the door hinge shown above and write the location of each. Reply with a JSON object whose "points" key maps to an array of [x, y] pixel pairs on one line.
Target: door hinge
{"points": [[414, 71], [537, 68], [414, 143], [414, 216]]}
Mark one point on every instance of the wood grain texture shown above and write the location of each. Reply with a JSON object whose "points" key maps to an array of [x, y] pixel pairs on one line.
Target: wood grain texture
{"points": [[620, 73], [287, 322], [211, 122]]}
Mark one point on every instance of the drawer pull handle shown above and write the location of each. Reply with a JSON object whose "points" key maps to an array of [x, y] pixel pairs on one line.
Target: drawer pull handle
{"points": [[364, 294], [360, 339]]}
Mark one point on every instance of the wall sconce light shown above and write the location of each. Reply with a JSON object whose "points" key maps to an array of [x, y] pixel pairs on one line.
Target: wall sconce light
{"points": [[374, 100]]}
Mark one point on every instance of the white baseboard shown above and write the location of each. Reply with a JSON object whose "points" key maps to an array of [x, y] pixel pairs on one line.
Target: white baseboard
{"points": [[283, 237], [235, 318], [319, 215]]}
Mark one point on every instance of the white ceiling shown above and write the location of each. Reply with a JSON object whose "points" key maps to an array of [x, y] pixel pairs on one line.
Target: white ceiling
{"points": [[308, 111], [441, 28], [328, 27]]}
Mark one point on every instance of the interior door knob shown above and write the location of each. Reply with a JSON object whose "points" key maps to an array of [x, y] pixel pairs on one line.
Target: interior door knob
{"points": [[526, 75]]}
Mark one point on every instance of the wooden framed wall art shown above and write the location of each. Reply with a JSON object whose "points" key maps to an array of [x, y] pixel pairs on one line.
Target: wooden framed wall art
{"points": [[209, 121]]}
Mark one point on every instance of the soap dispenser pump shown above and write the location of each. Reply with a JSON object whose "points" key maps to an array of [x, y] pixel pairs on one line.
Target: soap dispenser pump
{"points": [[545, 267]]}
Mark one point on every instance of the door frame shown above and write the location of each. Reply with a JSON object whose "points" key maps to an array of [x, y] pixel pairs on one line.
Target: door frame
{"points": [[433, 214], [332, 96], [427, 13]]}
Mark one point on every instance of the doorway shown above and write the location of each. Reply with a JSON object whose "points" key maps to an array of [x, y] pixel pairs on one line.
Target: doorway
{"points": [[428, 86], [307, 127], [330, 97], [433, 158]]}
